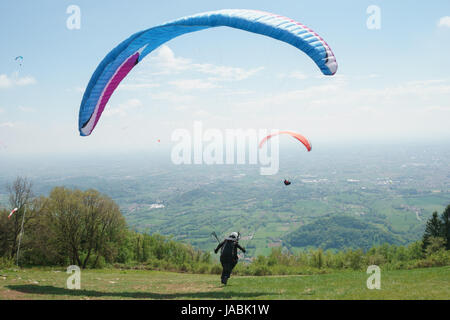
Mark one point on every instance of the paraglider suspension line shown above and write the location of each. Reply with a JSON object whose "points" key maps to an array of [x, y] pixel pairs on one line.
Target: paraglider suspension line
{"points": [[215, 236]]}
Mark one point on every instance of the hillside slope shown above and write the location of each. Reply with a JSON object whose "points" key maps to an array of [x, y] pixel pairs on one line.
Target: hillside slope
{"points": [[340, 232]]}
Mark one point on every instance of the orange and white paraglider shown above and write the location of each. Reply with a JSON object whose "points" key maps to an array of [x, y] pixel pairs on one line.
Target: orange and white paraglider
{"points": [[297, 136]]}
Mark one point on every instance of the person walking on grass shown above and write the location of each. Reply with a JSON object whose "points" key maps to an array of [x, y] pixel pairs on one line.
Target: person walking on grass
{"points": [[228, 255]]}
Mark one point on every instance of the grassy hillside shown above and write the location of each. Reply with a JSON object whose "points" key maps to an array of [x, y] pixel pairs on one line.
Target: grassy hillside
{"points": [[430, 283]]}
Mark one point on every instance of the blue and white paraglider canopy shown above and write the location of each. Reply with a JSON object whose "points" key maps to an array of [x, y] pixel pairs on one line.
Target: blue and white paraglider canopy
{"points": [[122, 59]]}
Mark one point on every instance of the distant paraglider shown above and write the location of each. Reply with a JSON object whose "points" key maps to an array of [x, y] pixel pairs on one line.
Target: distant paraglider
{"points": [[295, 135], [19, 60], [12, 212], [122, 59]]}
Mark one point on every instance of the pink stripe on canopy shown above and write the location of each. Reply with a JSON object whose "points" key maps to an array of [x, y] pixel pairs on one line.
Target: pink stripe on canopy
{"points": [[121, 73]]}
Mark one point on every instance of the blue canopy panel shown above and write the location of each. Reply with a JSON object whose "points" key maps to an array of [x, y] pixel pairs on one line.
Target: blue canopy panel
{"points": [[122, 59]]}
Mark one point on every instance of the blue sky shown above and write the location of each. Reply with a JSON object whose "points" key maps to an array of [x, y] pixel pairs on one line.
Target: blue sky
{"points": [[392, 83]]}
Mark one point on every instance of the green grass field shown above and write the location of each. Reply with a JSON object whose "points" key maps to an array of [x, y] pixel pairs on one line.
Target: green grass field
{"points": [[430, 283]]}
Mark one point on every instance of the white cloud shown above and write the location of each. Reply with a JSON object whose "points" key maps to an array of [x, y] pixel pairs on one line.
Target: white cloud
{"points": [[339, 109], [437, 109], [26, 109], [181, 107], [165, 62], [224, 73], [138, 86], [123, 109], [311, 94], [27, 80], [444, 22], [203, 76], [7, 125], [202, 113], [5, 82], [189, 84], [8, 82], [293, 75], [172, 97], [78, 89]]}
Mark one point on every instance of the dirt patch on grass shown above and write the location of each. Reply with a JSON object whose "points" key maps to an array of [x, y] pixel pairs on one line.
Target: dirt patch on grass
{"points": [[191, 288], [8, 294], [275, 276]]}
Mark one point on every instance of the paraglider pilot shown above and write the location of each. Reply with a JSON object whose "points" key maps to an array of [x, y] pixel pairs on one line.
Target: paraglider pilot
{"points": [[228, 255]]}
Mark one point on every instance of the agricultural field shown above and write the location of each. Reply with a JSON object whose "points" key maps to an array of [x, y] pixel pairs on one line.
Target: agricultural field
{"points": [[391, 190]]}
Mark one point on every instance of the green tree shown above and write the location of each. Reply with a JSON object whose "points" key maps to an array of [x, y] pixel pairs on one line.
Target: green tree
{"points": [[445, 217], [6, 234], [85, 224], [39, 247], [435, 244], [21, 197], [433, 229]]}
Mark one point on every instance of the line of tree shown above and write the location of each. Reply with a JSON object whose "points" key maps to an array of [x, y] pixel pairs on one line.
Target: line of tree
{"points": [[432, 251], [86, 228]]}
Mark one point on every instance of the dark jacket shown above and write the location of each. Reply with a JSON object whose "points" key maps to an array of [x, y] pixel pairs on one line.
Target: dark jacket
{"points": [[229, 249]]}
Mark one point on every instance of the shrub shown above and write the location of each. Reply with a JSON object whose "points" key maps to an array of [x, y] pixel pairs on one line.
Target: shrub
{"points": [[375, 259], [262, 270], [216, 269], [6, 263], [440, 258]]}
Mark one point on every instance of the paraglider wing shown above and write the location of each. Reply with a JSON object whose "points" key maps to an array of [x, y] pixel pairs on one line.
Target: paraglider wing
{"points": [[297, 136], [19, 59], [122, 59]]}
